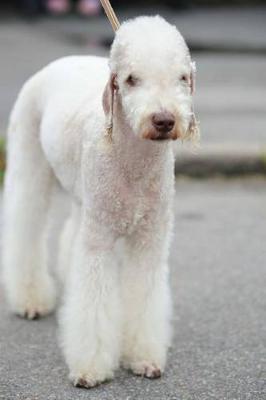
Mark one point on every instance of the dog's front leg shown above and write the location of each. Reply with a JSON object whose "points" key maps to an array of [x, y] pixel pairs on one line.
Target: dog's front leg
{"points": [[146, 301], [90, 318]]}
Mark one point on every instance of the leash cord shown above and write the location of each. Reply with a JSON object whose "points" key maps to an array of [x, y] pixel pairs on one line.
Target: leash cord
{"points": [[110, 14]]}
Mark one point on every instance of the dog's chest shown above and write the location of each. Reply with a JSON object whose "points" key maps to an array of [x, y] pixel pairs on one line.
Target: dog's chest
{"points": [[134, 202], [126, 205]]}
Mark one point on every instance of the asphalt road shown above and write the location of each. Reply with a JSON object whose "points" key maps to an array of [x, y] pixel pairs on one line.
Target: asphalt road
{"points": [[218, 262]]}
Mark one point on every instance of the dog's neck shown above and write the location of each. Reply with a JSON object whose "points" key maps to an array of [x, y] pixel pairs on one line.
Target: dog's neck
{"points": [[137, 157]]}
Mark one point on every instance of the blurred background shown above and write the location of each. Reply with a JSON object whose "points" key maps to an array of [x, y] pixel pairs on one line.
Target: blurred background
{"points": [[227, 39]]}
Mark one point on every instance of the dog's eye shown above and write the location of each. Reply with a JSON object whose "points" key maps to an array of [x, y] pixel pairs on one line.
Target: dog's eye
{"points": [[132, 80], [184, 78]]}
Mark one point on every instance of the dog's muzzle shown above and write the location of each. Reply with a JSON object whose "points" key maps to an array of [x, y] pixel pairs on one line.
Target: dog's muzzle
{"points": [[163, 124]]}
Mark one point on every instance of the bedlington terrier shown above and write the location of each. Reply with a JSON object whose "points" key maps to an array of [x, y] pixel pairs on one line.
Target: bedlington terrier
{"points": [[104, 132]]}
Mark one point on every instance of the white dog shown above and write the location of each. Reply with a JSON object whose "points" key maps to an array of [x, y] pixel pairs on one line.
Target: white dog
{"points": [[104, 133]]}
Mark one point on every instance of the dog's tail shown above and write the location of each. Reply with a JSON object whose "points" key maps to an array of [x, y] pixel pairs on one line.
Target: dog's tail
{"points": [[25, 113]]}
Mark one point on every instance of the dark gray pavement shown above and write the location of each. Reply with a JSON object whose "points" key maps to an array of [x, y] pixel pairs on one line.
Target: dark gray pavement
{"points": [[218, 262]]}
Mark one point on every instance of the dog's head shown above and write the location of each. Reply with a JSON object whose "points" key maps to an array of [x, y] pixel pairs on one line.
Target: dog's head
{"points": [[152, 78]]}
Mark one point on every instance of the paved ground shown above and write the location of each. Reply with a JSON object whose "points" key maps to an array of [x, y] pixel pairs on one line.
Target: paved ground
{"points": [[218, 277]]}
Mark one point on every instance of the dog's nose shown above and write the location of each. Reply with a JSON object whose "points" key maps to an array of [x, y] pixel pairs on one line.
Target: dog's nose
{"points": [[163, 122]]}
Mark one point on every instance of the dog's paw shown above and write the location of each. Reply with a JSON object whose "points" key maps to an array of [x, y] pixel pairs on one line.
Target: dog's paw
{"points": [[90, 380], [146, 369], [87, 382], [33, 303], [34, 312]]}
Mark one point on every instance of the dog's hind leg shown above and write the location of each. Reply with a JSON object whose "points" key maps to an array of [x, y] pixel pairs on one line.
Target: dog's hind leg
{"points": [[28, 185]]}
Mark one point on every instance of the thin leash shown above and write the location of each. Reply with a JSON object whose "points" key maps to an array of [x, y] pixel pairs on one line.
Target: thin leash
{"points": [[109, 11]]}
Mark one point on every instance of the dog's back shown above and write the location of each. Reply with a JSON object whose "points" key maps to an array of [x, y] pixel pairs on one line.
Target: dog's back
{"points": [[54, 106]]}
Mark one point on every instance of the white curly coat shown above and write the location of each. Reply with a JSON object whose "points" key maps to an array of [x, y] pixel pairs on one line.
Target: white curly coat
{"points": [[122, 190]]}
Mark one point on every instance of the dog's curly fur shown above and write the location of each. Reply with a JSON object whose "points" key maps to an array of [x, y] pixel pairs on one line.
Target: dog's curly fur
{"points": [[122, 190]]}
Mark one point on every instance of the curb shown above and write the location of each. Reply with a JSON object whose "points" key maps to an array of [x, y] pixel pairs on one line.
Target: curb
{"points": [[213, 48], [221, 160], [208, 161], [226, 48]]}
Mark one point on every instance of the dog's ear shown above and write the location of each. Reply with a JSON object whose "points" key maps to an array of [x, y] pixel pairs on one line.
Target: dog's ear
{"points": [[108, 102], [192, 77], [108, 94], [193, 132]]}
